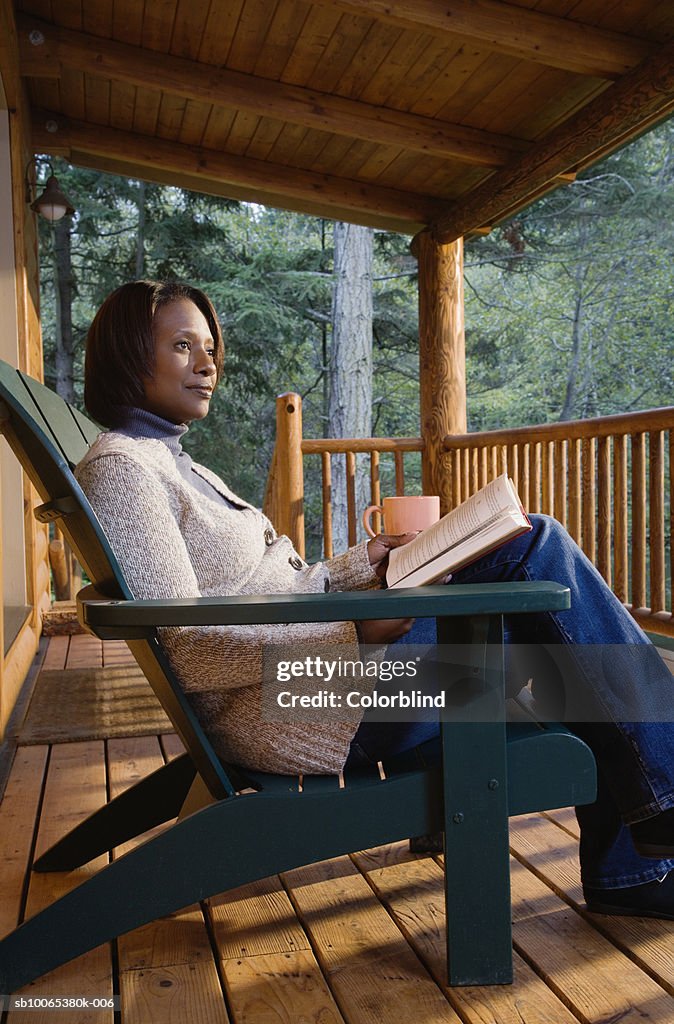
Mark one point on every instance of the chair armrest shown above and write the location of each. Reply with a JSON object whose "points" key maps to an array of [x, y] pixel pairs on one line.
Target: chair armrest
{"points": [[128, 620]]}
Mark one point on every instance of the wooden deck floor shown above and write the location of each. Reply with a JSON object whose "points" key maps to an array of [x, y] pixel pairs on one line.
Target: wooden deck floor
{"points": [[358, 939]]}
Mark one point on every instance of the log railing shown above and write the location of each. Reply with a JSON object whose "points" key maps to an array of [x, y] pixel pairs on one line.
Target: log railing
{"points": [[284, 496], [607, 480], [393, 448]]}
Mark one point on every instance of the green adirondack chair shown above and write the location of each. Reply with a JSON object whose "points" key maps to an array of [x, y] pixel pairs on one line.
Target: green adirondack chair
{"points": [[486, 770]]}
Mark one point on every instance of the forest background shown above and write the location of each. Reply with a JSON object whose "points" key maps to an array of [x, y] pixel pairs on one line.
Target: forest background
{"points": [[569, 307]]}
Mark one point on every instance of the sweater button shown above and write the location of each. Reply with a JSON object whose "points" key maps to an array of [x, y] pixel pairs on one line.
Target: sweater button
{"points": [[295, 561], [326, 585], [268, 537]]}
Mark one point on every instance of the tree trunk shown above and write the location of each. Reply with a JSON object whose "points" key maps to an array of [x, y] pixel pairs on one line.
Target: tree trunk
{"points": [[574, 366], [350, 406], [64, 287]]}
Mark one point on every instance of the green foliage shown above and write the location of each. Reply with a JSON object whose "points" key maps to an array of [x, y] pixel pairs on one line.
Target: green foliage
{"points": [[568, 307]]}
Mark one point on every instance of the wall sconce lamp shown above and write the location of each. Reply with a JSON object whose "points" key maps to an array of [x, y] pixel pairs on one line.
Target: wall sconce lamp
{"points": [[52, 203]]}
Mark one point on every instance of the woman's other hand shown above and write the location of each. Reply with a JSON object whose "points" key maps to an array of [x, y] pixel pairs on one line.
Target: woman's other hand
{"points": [[379, 547], [382, 631]]}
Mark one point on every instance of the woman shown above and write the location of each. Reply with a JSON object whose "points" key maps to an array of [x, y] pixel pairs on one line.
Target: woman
{"points": [[154, 356]]}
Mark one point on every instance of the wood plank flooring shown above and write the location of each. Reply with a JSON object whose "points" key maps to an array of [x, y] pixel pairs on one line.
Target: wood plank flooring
{"points": [[357, 939]]}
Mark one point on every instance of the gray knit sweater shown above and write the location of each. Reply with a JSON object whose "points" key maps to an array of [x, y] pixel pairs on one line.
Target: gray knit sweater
{"points": [[174, 541]]}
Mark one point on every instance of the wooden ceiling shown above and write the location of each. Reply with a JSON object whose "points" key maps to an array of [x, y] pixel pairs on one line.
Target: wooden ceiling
{"points": [[400, 114]]}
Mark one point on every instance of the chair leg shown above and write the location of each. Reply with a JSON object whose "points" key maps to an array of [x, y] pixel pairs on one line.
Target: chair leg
{"points": [[152, 801], [224, 845], [477, 858]]}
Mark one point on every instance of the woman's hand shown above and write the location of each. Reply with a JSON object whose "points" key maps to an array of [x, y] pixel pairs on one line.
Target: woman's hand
{"points": [[382, 631], [379, 547]]}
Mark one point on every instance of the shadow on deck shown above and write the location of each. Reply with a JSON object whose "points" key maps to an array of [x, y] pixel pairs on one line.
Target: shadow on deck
{"points": [[358, 939]]}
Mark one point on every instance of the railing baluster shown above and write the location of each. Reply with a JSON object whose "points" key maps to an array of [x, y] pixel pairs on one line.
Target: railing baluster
{"points": [[351, 497], [560, 478], [457, 493], [326, 487], [589, 498], [472, 469], [523, 474], [535, 492], [639, 521], [604, 508], [493, 461], [547, 478], [482, 472], [375, 489], [512, 463], [400, 473], [465, 474], [620, 538], [575, 526], [656, 519]]}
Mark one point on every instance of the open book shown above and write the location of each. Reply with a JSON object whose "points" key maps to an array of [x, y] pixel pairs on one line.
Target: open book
{"points": [[486, 520]]}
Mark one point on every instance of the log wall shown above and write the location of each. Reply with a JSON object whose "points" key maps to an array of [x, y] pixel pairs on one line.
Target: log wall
{"points": [[17, 658]]}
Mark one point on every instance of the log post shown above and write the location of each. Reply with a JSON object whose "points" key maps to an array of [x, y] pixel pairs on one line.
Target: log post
{"points": [[442, 358], [58, 559], [289, 469]]}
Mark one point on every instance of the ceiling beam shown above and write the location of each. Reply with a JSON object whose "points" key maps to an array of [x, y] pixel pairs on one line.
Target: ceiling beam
{"points": [[518, 31], [127, 169], [234, 176], [188, 79], [621, 112]]}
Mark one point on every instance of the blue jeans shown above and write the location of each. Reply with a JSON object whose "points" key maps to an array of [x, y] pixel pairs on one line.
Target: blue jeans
{"points": [[635, 759]]}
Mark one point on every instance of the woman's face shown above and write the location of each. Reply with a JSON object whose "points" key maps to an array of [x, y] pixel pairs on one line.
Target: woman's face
{"points": [[184, 375]]}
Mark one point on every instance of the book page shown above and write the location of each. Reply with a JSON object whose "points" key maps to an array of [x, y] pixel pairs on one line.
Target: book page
{"points": [[501, 529], [487, 506]]}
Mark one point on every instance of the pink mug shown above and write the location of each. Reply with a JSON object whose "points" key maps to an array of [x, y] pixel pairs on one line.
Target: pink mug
{"points": [[407, 514]]}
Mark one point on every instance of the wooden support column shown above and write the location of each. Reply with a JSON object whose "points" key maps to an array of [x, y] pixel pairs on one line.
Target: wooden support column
{"points": [[442, 357]]}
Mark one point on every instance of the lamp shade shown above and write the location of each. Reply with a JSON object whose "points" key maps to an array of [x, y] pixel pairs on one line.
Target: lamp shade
{"points": [[53, 203]]}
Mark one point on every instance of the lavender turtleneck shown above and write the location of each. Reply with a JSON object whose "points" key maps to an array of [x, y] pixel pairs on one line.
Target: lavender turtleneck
{"points": [[136, 422]]}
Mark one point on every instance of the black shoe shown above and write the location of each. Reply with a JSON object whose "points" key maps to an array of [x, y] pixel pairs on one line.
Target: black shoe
{"points": [[654, 837], [652, 899]]}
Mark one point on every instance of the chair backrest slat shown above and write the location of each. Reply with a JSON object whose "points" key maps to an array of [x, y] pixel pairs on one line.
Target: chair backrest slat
{"points": [[61, 423], [35, 446], [13, 384], [49, 437]]}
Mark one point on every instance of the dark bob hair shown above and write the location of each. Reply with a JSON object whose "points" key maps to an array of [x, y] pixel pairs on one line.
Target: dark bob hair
{"points": [[120, 346]]}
